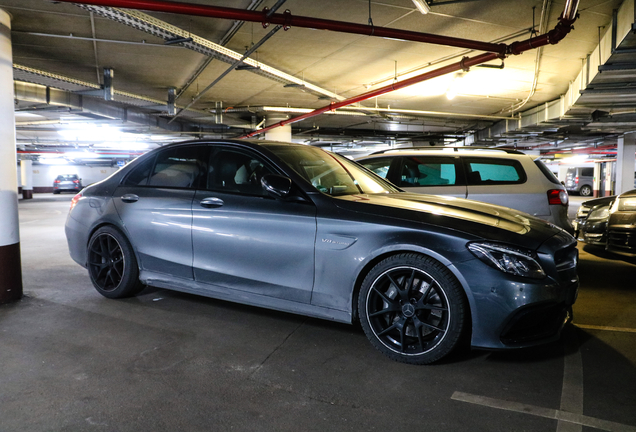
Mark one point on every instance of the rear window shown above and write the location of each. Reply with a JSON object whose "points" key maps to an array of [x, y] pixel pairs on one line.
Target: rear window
{"points": [[484, 171], [546, 171]]}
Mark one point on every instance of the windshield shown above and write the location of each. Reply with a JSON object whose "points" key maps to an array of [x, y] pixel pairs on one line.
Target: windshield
{"points": [[330, 173]]}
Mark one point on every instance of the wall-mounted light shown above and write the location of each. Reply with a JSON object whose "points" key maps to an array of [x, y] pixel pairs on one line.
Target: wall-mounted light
{"points": [[422, 6]]}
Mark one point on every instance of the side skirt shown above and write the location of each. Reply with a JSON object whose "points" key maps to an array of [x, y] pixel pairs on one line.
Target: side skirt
{"points": [[217, 292]]}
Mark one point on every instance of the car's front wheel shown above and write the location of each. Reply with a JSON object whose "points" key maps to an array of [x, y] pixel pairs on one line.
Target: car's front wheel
{"points": [[412, 309], [112, 265]]}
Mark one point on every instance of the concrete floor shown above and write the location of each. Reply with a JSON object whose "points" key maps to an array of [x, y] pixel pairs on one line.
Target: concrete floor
{"points": [[73, 360]]}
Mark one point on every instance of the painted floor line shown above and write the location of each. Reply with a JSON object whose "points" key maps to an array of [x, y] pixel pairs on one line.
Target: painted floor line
{"points": [[543, 412], [616, 329], [572, 390]]}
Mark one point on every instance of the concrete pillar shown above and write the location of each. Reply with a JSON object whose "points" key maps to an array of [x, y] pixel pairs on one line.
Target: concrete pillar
{"points": [[26, 171], [281, 133], [10, 266], [625, 162]]}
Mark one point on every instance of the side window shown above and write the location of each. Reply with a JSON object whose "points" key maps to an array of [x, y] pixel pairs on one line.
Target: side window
{"points": [[428, 171], [180, 167], [587, 172], [236, 171], [379, 166], [484, 171], [139, 175]]}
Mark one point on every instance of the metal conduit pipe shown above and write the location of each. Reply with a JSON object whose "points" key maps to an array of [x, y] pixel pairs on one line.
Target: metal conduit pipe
{"points": [[464, 64], [288, 20], [563, 27]]}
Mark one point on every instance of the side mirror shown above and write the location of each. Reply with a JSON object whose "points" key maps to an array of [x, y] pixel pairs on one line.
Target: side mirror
{"points": [[276, 185]]}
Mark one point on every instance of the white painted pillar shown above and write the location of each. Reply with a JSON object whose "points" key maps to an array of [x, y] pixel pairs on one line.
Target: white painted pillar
{"points": [[625, 162], [597, 178], [26, 171], [281, 133], [10, 267]]}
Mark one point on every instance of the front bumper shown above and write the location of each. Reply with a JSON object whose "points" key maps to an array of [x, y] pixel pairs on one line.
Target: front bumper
{"points": [[513, 312]]}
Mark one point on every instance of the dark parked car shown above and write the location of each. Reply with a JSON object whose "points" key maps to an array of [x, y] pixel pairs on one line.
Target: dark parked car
{"points": [[621, 226], [593, 229], [297, 229], [584, 210], [67, 182]]}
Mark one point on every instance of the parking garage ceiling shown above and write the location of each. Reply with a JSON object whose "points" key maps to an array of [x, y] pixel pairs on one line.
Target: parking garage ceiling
{"points": [[117, 79]]}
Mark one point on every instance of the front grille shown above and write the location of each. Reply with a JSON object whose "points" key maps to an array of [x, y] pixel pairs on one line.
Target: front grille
{"points": [[583, 212], [622, 241]]}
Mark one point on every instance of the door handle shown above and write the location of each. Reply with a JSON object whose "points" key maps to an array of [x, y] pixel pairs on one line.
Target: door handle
{"points": [[212, 202], [130, 198]]}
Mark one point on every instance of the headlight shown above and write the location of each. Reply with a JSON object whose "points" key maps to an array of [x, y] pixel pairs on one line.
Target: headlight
{"points": [[508, 259]]}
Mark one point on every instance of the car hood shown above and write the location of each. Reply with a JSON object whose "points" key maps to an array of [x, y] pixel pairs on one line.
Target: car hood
{"points": [[478, 219]]}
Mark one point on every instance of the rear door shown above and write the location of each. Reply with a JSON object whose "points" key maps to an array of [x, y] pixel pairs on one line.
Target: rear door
{"points": [[155, 204]]}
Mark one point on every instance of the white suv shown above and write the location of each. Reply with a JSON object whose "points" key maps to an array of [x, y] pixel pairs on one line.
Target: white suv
{"points": [[498, 176]]}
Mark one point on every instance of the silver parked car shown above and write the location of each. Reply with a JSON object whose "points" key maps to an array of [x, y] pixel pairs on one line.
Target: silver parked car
{"points": [[67, 182], [297, 229], [497, 176]]}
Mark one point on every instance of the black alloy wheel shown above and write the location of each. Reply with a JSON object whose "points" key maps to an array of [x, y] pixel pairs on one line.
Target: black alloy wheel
{"points": [[412, 309], [112, 265]]}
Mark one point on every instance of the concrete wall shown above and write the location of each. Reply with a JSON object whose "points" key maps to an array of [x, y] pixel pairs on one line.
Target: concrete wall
{"points": [[43, 175]]}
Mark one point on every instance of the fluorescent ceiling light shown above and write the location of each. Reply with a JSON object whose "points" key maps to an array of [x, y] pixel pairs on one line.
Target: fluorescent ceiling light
{"points": [[422, 6], [53, 161]]}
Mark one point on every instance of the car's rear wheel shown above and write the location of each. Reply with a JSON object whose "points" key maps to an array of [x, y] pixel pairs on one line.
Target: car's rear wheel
{"points": [[112, 265], [412, 309], [585, 191]]}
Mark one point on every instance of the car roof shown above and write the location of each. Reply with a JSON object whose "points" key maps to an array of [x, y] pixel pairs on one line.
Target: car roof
{"points": [[253, 143], [448, 151]]}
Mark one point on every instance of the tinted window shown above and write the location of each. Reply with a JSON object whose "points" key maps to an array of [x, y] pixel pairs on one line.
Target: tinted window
{"points": [[493, 171], [139, 175], [428, 171], [180, 167], [67, 177], [587, 172], [236, 171]]}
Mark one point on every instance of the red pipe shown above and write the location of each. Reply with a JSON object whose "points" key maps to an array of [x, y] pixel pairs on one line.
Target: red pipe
{"points": [[464, 64], [288, 20]]}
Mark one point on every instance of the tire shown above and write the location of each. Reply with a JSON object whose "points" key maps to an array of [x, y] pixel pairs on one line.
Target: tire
{"points": [[112, 265], [585, 191], [412, 309]]}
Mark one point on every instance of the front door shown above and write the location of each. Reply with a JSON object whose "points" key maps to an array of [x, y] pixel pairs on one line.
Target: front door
{"points": [[246, 240]]}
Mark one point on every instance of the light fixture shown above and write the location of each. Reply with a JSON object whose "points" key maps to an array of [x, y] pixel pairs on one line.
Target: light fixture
{"points": [[422, 6]]}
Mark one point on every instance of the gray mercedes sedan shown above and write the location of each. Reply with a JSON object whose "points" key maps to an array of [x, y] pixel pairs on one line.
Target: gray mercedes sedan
{"points": [[297, 229]]}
